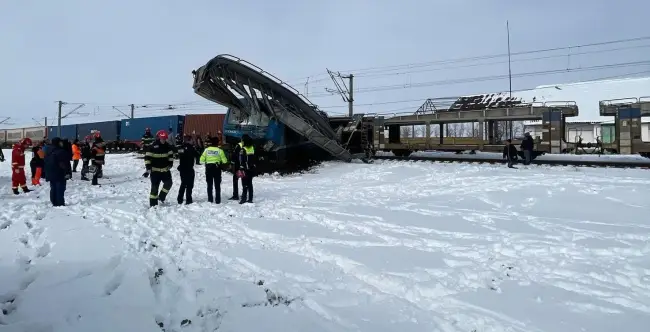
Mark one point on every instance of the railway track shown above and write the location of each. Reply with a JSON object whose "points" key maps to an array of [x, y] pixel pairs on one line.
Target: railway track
{"points": [[484, 160]]}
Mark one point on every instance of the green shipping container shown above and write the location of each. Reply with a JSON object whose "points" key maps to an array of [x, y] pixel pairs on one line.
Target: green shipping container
{"points": [[608, 133]]}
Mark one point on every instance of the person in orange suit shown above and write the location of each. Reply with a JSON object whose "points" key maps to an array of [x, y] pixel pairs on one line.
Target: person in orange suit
{"points": [[18, 178], [76, 155], [37, 164]]}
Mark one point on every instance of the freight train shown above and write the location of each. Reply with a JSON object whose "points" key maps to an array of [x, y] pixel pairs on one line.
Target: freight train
{"points": [[121, 135]]}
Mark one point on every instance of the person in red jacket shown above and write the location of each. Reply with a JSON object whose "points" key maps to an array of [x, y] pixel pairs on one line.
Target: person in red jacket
{"points": [[18, 178]]}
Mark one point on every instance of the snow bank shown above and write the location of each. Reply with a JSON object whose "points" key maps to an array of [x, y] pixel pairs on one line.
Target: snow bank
{"points": [[349, 247]]}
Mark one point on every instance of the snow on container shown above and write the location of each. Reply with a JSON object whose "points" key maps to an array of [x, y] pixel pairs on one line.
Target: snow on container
{"points": [[14, 135], [110, 130], [204, 124], [132, 129], [67, 131]]}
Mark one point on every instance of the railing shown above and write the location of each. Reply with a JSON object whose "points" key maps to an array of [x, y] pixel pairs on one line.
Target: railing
{"points": [[624, 101], [273, 77]]}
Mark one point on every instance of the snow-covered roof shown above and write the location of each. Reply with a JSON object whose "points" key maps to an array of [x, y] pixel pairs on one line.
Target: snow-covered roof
{"points": [[586, 95]]}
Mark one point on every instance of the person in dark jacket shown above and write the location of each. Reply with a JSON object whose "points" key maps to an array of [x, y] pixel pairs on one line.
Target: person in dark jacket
{"points": [[510, 153], [198, 142], [159, 160], [234, 167], [527, 146], [58, 171], [97, 156], [246, 170], [37, 164], [67, 146], [187, 154], [86, 155]]}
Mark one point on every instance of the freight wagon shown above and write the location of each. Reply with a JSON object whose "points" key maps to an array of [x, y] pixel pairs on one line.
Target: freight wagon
{"points": [[133, 129], [204, 124], [11, 136]]}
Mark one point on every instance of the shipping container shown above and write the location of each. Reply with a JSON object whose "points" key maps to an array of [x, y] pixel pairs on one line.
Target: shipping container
{"points": [[14, 135], [110, 130], [67, 131], [133, 129], [204, 124]]}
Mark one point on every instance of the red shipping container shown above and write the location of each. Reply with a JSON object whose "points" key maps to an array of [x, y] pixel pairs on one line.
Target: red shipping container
{"points": [[204, 124]]}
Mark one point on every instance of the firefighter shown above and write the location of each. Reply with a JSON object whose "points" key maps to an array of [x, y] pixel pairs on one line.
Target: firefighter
{"points": [[187, 155], [76, 155], [234, 167], [147, 140], [37, 164], [214, 158], [18, 178], [159, 160], [97, 156], [86, 155], [178, 145]]}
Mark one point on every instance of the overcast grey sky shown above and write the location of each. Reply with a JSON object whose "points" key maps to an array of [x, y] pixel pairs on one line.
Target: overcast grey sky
{"points": [[142, 51]]}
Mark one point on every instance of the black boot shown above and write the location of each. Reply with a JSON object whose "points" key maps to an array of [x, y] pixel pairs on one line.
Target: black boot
{"points": [[234, 198], [26, 190], [16, 192]]}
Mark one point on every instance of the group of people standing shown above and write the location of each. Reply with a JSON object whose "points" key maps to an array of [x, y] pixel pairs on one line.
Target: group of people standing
{"points": [[51, 160], [510, 153], [159, 160]]}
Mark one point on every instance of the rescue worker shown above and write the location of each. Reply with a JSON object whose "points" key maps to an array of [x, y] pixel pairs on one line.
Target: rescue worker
{"points": [[213, 157], [187, 154], [510, 153], [97, 156], [76, 155], [234, 167], [246, 171], [18, 178], [159, 160], [527, 146], [37, 164], [178, 145], [147, 139], [86, 155], [57, 163]]}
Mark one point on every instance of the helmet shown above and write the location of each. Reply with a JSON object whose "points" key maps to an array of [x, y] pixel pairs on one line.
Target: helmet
{"points": [[147, 129], [161, 134], [97, 134], [26, 141]]}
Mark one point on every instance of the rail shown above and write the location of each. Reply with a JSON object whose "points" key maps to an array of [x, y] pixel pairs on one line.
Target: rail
{"points": [[270, 75], [484, 160], [624, 101]]}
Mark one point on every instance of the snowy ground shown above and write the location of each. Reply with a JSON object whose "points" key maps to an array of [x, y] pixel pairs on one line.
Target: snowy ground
{"points": [[350, 247]]}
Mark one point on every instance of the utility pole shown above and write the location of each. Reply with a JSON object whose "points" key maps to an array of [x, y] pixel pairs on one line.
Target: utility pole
{"points": [[60, 116], [58, 124], [132, 111], [342, 89], [509, 73]]}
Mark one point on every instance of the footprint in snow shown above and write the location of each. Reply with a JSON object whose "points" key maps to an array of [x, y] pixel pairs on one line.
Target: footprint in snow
{"points": [[113, 284], [5, 224], [44, 250]]}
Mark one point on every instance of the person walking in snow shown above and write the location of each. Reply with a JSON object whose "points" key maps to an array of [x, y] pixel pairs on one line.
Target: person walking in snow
{"points": [[214, 158], [510, 153], [18, 178], [58, 171], [86, 155], [98, 157], [37, 164], [76, 155], [187, 155], [159, 160], [247, 168], [527, 146]]}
